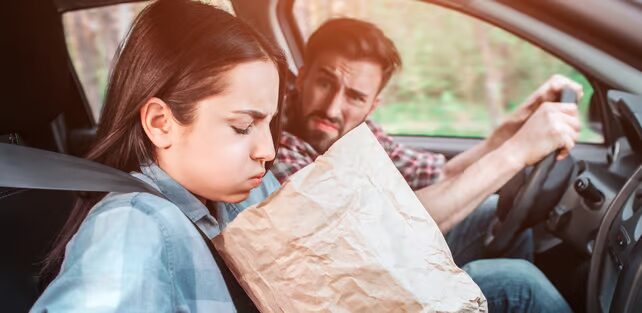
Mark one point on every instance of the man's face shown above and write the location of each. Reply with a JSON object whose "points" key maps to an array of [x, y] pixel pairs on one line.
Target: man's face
{"points": [[337, 94]]}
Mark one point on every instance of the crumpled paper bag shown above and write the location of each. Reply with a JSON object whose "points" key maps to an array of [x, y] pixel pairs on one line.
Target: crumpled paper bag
{"points": [[346, 234]]}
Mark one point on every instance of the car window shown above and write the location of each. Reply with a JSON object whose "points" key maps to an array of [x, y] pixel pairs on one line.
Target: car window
{"points": [[460, 75], [93, 36]]}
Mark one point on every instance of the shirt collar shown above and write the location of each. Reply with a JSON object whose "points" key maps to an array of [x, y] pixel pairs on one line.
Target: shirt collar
{"points": [[294, 142], [193, 208]]}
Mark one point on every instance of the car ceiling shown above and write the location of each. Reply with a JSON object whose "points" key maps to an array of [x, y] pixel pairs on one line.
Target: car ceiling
{"points": [[587, 22], [71, 5], [613, 26], [584, 20]]}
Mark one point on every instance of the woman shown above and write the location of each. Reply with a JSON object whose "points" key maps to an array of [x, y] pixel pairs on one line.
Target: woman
{"points": [[192, 107]]}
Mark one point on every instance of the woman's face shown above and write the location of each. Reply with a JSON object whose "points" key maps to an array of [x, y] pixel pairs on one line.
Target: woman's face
{"points": [[221, 155]]}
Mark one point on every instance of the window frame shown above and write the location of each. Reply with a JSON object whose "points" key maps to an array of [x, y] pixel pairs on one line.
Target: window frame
{"points": [[599, 82], [76, 6]]}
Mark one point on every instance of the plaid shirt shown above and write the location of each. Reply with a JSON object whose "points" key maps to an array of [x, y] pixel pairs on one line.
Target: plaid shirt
{"points": [[420, 168], [136, 252]]}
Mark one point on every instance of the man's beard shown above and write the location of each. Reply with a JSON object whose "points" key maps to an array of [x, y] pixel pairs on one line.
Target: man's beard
{"points": [[318, 139]]}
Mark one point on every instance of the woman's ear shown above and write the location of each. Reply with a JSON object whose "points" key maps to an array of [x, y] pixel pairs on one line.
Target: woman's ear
{"points": [[157, 121]]}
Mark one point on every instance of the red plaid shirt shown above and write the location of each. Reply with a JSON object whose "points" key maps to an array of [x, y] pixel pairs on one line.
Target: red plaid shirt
{"points": [[420, 168]]}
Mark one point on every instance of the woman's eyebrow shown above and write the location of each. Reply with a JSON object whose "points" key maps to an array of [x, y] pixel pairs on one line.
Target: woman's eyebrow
{"points": [[257, 115]]}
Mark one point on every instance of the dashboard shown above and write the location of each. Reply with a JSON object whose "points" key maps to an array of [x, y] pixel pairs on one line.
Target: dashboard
{"points": [[600, 214]]}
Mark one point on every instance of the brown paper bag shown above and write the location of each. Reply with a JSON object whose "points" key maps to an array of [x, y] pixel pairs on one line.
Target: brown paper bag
{"points": [[346, 234]]}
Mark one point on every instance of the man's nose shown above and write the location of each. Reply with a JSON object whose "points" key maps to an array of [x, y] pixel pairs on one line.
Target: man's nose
{"points": [[334, 105]]}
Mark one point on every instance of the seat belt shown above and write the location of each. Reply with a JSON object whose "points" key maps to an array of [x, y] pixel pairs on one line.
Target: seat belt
{"points": [[30, 168], [242, 302], [24, 167]]}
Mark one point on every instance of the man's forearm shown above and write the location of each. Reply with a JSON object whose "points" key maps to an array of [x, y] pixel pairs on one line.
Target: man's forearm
{"points": [[452, 199], [460, 162]]}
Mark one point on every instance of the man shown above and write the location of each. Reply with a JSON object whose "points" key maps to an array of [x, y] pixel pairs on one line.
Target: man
{"points": [[346, 65]]}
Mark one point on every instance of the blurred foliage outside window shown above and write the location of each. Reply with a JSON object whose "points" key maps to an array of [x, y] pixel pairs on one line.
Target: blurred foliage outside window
{"points": [[460, 76], [93, 36]]}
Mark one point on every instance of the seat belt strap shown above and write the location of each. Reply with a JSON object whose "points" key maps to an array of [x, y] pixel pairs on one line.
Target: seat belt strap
{"points": [[25, 167]]}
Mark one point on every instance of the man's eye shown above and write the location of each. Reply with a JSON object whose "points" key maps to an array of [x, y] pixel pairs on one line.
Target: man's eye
{"points": [[324, 83], [357, 98], [242, 131]]}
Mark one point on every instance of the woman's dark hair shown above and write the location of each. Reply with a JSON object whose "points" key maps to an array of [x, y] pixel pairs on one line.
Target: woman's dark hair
{"points": [[178, 51]]}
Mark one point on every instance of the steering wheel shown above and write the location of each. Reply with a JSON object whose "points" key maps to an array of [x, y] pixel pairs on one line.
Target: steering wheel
{"points": [[527, 199]]}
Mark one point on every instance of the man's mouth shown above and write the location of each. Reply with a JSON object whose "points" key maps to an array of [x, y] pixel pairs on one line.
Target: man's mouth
{"points": [[325, 125]]}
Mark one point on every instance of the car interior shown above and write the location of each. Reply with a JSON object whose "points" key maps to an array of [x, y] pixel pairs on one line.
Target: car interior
{"points": [[586, 210]]}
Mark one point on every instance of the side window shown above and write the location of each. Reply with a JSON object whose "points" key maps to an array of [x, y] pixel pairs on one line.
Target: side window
{"points": [[93, 36], [460, 76]]}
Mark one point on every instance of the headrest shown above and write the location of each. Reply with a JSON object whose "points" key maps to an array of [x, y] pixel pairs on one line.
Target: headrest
{"points": [[37, 74]]}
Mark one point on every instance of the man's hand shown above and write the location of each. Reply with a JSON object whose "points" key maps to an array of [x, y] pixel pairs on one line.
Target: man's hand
{"points": [[538, 127], [553, 126], [550, 91]]}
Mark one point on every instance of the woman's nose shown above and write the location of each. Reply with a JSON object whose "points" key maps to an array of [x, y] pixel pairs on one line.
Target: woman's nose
{"points": [[264, 148]]}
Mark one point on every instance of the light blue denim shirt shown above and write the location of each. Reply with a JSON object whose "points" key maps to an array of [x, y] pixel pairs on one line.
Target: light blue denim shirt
{"points": [[137, 252]]}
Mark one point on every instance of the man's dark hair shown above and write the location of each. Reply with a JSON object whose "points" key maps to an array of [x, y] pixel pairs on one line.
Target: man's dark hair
{"points": [[354, 39]]}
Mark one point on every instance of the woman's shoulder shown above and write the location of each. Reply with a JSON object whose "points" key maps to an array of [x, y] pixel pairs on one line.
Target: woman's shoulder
{"points": [[150, 221], [127, 211], [135, 228], [135, 237], [134, 203]]}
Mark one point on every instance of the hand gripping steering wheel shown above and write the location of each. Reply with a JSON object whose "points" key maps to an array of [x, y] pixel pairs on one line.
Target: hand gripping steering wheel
{"points": [[519, 205]]}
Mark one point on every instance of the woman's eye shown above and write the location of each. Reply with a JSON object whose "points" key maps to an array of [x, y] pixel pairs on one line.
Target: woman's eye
{"points": [[242, 131]]}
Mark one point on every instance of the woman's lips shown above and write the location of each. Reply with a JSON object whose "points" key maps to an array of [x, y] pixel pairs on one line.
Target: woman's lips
{"points": [[256, 180]]}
